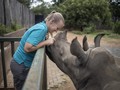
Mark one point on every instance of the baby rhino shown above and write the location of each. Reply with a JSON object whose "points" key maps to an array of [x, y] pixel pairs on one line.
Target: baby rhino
{"points": [[94, 69]]}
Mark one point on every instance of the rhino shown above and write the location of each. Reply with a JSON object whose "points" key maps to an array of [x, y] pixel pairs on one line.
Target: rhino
{"points": [[97, 40], [94, 69]]}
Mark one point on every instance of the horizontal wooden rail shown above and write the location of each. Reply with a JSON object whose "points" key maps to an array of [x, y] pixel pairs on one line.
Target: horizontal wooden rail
{"points": [[37, 76], [9, 39]]}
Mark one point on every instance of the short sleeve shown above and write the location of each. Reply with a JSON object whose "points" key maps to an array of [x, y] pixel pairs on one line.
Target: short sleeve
{"points": [[36, 36]]}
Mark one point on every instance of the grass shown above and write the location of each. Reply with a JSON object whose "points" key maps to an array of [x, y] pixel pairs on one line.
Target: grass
{"points": [[108, 33]]}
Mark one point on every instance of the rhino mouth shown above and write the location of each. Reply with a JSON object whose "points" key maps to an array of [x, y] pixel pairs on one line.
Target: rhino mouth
{"points": [[48, 52]]}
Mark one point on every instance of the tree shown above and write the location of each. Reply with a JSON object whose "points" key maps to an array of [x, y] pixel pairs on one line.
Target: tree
{"points": [[28, 2], [57, 2], [115, 10], [80, 13], [25, 2], [42, 9]]}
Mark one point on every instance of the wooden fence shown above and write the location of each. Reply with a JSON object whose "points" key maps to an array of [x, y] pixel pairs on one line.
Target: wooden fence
{"points": [[37, 76], [11, 11]]}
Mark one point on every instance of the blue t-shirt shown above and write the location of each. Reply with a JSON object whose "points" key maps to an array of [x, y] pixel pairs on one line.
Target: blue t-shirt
{"points": [[34, 36]]}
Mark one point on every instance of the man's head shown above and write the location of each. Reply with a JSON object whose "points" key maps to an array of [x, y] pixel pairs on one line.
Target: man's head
{"points": [[54, 21]]}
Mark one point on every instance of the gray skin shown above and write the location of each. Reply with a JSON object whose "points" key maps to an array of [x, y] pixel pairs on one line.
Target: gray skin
{"points": [[94, 69], [97, 40]]}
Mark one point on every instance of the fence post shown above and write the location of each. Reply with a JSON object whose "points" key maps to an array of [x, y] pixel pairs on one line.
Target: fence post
{"points": [[3, 65]]}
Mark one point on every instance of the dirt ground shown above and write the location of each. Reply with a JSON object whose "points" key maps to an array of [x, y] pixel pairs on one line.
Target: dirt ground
{"points": [[104, 41], [113, 43]]}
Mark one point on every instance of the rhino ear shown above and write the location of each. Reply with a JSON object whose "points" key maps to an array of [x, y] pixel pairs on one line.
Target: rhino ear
{"points": [[75, 47]]}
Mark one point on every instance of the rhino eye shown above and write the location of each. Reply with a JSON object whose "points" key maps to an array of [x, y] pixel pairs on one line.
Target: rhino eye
{"points": [[61, 52]]}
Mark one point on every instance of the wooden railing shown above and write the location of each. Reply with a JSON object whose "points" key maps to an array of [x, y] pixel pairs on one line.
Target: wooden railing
{"points": [[2, 40], [37, 76]]}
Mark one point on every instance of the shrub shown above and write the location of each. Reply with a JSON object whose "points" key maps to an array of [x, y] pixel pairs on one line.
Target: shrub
{"points": [[89, 29], [15, 26], [117, 27], [77, 32], [5, 29]]}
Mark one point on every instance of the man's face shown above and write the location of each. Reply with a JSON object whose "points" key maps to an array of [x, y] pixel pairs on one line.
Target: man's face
{"points": [[54, 27]]}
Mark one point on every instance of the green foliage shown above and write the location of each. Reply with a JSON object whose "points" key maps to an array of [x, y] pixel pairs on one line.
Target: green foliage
{"points": [[115, 9], [57, 2], [15, 26], [89, 29], [79, 13], [25, 2], [42, 9], [108, 33], [113, 35], [77, 32], [4, 29], [117, 27]]}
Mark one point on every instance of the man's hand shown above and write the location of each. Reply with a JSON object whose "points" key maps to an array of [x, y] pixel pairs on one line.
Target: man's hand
{"points": [[50, 41]]}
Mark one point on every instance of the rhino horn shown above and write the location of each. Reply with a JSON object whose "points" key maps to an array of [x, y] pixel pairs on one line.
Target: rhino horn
{"points": [[63, 35], [85, 43], [76, 50]]}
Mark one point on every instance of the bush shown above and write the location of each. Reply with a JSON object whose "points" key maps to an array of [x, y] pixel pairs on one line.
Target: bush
{"points": [[4, 29], [13, 26], [77, 32], [89, 29], [117, 27]]}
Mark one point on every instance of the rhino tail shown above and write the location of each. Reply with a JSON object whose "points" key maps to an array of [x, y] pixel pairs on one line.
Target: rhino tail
{"points": [[97, 39], [85, 43]]}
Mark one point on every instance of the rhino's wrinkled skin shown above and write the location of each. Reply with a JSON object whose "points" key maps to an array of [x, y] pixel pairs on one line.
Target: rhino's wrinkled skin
{"points": [[94, 69]]}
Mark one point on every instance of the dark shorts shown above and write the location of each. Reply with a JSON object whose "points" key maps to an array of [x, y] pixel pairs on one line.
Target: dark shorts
{"points": [[19, 72]]}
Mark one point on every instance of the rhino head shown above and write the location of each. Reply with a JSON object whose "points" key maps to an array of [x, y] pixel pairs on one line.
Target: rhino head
{"points": [[87, 69], [70, 64]]}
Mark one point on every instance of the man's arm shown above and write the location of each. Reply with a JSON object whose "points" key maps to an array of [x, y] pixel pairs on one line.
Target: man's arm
{"points": [[29, 47]]}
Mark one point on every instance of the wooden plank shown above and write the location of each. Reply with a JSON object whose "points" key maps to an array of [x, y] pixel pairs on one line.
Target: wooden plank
{"points": [[1, 12], [7, 88], [9, 39], [35, 76]]}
